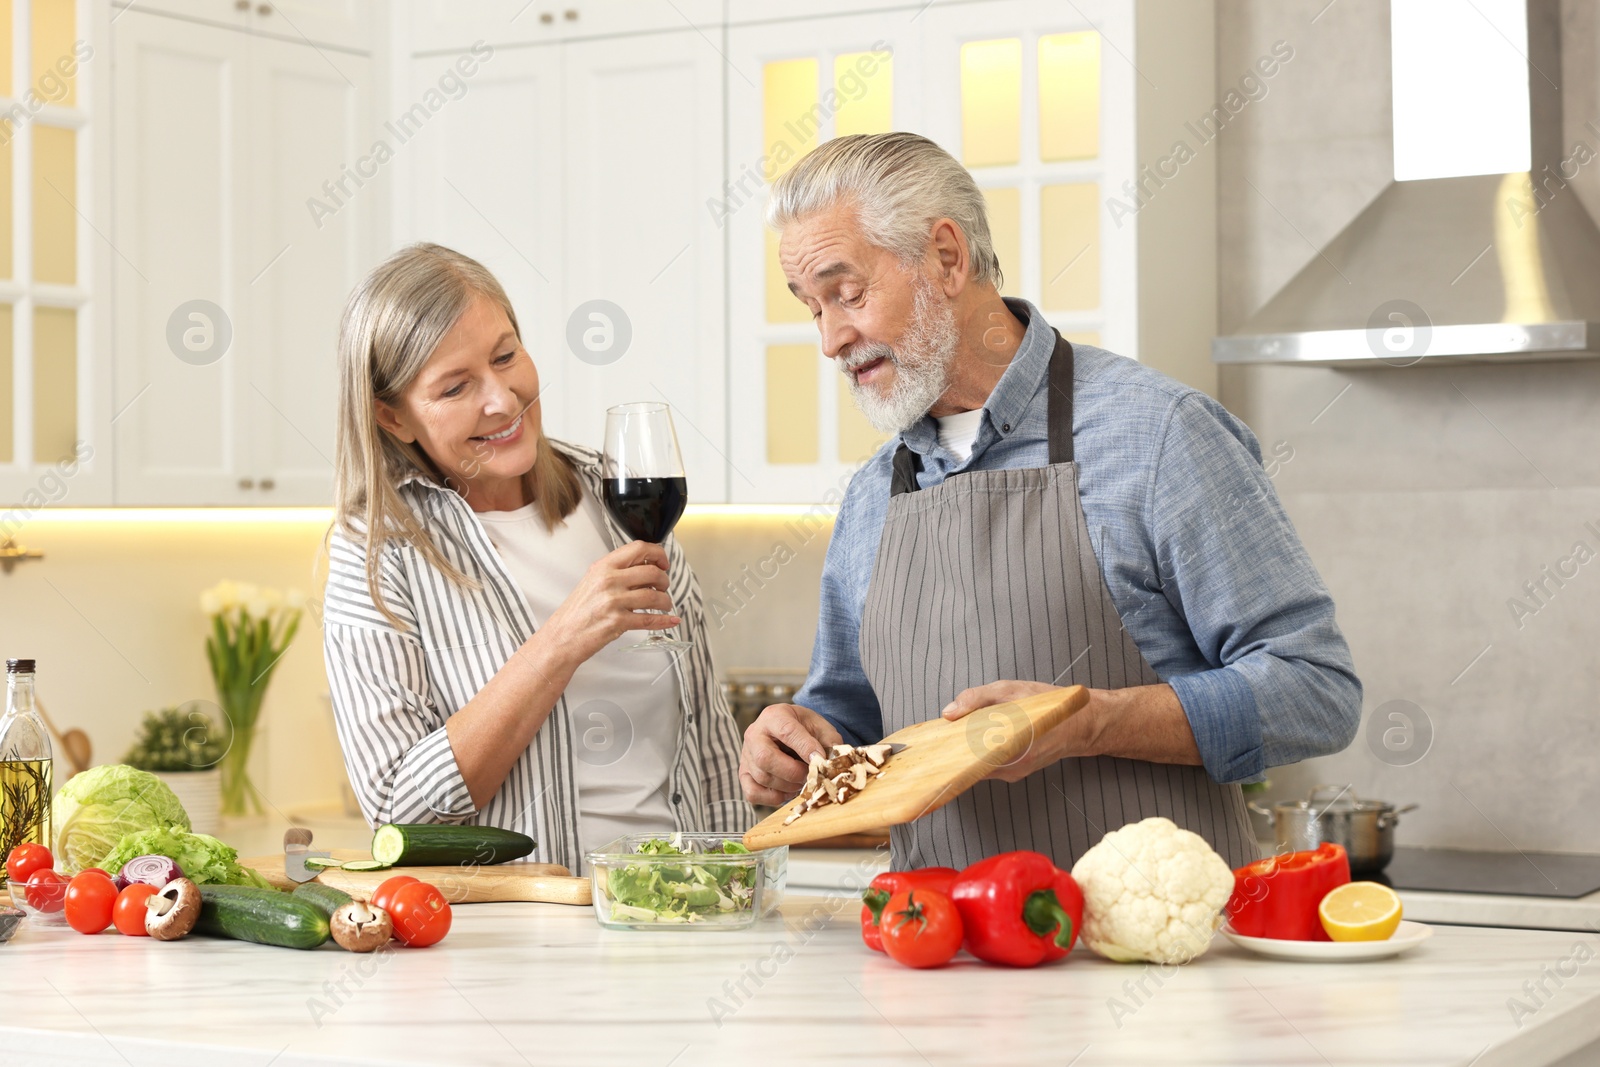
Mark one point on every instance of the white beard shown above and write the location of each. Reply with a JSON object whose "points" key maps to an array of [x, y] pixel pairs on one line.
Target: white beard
{"points": [[921, 365]]}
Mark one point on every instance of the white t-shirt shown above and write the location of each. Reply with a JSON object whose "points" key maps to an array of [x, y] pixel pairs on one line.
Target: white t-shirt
{"points": [[623, 704], [959, 432]]}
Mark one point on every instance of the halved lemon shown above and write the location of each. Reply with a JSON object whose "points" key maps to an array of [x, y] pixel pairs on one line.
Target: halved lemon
{"points": [[1360, 911]]}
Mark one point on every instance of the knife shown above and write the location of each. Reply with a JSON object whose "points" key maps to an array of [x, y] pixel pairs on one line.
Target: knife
{"points": [[296, 850]]}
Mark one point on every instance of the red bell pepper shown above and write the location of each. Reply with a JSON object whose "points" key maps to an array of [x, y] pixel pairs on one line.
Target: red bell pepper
{"points": [[1277, 897], [1018, 909], [885, 885]]}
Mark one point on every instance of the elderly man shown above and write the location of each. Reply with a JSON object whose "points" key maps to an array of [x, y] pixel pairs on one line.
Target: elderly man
{"points": [[1046, 514]]}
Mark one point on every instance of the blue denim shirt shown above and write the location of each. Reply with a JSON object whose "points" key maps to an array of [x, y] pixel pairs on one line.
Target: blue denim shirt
{"points": [[1203, 564]]}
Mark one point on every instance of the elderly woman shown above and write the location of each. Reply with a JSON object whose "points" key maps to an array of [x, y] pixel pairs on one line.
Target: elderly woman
{"points": [[479, 599]]}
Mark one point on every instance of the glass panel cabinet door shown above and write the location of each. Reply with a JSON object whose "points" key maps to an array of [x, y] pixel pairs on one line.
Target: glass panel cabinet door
{"points": [[54, 380], [795, 435], [1031, 96]]}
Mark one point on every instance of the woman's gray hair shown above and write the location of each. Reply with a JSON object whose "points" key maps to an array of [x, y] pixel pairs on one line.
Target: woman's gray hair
{"points": [[900, 185]]}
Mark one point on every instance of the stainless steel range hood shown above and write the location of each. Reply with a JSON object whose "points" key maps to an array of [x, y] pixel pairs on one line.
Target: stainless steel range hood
{"points": [[1477, 268]]}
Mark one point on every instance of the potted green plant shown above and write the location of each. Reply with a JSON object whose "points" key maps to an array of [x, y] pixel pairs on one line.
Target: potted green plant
{"points": [[183, 746]]}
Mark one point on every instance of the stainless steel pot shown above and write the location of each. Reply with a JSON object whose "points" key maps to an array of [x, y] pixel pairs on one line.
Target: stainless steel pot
{"points": [[1334, 813]]}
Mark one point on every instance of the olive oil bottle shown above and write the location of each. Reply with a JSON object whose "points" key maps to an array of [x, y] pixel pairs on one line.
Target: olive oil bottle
{"points": [[25, 765]]}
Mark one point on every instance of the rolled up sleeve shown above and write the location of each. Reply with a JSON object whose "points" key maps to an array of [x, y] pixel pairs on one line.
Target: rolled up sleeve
{"points": [[396, 751], [1278, 685]]}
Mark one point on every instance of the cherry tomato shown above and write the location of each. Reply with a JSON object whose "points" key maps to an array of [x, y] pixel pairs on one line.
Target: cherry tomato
{"points": [[127, 915], [420, 913], [26, 858], [91, 899], [46, 890], [387, 888], [921, 928]]}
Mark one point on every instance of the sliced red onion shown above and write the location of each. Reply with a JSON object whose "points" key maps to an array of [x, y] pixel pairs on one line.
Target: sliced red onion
{"points": [[147, 870]]}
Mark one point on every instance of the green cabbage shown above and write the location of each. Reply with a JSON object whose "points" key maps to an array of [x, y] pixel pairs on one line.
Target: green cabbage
{"points": [[98, 808], [204, 859]]}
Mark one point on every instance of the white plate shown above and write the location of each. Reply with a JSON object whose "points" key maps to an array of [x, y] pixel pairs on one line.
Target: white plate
{"points": [[1410, 935]]}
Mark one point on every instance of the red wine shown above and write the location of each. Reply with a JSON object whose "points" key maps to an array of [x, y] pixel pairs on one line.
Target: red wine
{"points": [[647, 508]]}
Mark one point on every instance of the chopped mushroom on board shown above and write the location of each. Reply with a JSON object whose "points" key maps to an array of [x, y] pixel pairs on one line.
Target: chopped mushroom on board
{"points": [[839, 776]]}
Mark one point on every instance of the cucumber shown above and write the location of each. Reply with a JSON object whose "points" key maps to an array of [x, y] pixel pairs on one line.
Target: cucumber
{"points": [[366, 865], [324, 898], [322, 863], [429, 844], [264, 916]]}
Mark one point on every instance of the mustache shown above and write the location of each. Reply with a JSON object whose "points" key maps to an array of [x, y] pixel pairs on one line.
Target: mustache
{"points": [[860, 355]]}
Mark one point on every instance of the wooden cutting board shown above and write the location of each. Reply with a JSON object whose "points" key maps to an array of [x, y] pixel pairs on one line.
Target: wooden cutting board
{"points": [[546, 883], [942, 759]]}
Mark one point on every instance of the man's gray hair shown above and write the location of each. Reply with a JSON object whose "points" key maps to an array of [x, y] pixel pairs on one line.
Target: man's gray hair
{"points": [[900, 184]]}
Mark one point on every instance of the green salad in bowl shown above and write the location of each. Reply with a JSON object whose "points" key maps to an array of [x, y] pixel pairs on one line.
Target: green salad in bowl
{"points": [[646, 881]]}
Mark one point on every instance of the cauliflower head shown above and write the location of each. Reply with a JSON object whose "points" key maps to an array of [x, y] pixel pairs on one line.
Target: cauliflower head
{"points": [[1152, 891]]}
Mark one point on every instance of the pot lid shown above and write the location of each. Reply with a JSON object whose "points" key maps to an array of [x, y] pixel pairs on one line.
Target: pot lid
{"points": [[1337, 799]]}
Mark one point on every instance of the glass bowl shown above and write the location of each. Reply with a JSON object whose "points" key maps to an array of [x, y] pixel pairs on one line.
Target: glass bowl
{"points": [[55, 916], [684, 881], [10, 919]]}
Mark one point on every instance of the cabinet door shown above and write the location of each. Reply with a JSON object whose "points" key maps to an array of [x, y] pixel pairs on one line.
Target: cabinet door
{"points": [[644, 300], [795, 434], [180, 140], [305, 205], [1036, 100], [342, 23], [483, 176]]}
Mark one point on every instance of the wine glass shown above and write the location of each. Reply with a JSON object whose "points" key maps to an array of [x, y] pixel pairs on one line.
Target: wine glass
{"points": [[645, 487]]}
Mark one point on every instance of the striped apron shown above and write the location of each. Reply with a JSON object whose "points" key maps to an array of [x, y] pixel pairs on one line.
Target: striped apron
{"points": [[989, 576]]}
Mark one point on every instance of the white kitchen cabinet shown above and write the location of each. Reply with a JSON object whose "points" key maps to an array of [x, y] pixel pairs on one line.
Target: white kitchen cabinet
{"points": [[581, 172], [223, 143], [449, 25], [342, 24]]}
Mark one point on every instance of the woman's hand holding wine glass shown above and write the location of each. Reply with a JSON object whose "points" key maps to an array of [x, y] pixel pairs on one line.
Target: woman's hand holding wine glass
{"points": [[607, 602]]}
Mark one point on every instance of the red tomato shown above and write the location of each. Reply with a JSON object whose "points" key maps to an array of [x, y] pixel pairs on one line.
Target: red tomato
{"points": [[386, 890], [46, 891], [96, 870], [420, 913], [921, 928], [90, 900], [127, 915], [25, 859]]}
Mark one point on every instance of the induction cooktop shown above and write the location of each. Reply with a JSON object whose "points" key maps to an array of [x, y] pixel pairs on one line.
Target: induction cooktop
{"points": [[1528, 874]]}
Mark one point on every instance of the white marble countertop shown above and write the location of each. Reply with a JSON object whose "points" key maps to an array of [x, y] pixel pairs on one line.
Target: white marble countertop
{"points": [[538, 983]]}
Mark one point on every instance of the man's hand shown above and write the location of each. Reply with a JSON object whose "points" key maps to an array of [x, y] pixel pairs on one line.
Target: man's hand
{"points": [[1143, 722], [1072, 738], [777, 747]]}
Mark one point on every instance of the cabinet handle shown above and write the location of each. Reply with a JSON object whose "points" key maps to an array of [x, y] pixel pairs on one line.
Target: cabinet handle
{"points": [[241, 5], [268, 483], [264, 9], [570, 14], [247, 483], [546, 18]]}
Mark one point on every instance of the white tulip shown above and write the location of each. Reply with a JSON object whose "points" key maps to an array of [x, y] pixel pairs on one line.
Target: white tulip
{"points": [[210, 603], [257, 608], [248, 592], [295, 599]]}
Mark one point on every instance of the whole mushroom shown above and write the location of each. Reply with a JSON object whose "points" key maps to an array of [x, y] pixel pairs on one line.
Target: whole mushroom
{"points": [[172, 913], [360, 927]]}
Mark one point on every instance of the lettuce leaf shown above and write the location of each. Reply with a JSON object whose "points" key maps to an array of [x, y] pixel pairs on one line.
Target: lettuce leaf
{"points": [[204, 859]]}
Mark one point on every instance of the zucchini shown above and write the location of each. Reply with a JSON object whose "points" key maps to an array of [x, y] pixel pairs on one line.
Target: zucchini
{"points": [[264, 916], [324, 898], [430, 844]]}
